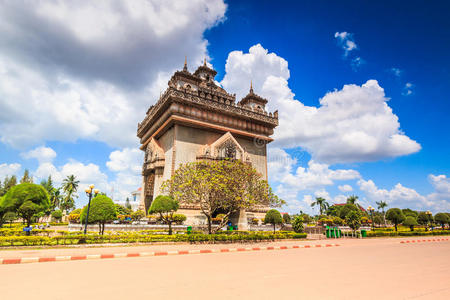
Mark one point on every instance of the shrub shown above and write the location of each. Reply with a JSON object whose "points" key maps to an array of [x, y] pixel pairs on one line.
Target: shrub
{"points": [[297, 224], [74, 218], [396, 216], [137, 215], [411, 222], [273, 217], [179, 218]]}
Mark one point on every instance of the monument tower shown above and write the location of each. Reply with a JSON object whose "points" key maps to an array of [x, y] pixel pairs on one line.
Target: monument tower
{"points": [[195, 119]]}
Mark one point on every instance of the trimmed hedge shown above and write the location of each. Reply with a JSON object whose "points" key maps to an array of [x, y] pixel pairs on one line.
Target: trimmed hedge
{"points": [[407, 233], [133, 237]]}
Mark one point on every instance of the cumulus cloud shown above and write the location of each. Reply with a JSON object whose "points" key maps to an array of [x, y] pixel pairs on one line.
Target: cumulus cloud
{"points": [[9, 169], [345, 41], [42, 154], [353, 124], [401, 196], [290, 180], [345, 188], [90, 70]]}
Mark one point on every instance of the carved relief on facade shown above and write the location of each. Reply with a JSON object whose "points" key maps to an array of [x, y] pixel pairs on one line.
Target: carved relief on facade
{"points": [[224, 147], [154, 156]]}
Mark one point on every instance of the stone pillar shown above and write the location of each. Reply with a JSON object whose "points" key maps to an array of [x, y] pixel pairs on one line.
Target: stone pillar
{"points": [[242, 220]]}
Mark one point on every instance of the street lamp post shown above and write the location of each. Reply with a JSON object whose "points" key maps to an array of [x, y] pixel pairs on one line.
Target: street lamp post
{"points": [[89, 192], [371, 209]]}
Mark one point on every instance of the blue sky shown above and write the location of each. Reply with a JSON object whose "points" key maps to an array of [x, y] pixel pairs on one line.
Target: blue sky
{"points": [[75, 80]]}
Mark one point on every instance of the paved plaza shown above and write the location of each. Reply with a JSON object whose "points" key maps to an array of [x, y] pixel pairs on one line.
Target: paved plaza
{"points": [[366, 269]]}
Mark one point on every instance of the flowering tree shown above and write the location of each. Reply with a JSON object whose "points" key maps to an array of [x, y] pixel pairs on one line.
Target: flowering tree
{"points": [[224, 185]]}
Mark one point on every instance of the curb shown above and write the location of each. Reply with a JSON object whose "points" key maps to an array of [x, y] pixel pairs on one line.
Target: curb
{"points": [[424, 241], [24, 260]]}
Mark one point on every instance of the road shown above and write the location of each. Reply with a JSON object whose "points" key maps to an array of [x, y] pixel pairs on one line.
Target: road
{"points": [[365, 269]]}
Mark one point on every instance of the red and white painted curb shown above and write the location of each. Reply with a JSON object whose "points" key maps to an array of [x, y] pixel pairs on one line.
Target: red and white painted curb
{"points": [[24, 260], [424, 241]]}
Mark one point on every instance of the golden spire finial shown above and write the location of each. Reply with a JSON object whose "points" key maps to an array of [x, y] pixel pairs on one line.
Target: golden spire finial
{"points": [[204, 62], [251, 86], [185, 63]]}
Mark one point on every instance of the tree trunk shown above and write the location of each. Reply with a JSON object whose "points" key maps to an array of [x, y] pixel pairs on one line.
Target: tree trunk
{"points": [[209, 224], [99, 227], [273, 228], [170, 227], [395, 224]]}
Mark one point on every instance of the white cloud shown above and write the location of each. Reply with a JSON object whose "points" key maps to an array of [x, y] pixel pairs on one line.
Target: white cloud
{"points": [[401, 196], [345, 188], [408, 89], [396, 72], [352, 124], [42, 154], [127, 159], [90, 70], [346, 41], [9, 169]]}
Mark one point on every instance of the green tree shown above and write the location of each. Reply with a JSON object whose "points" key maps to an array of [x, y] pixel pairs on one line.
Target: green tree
{"points": [[382, 205], [27, 211], [333, 210], [26, 177], [70, 187], [378, 220], [19, 195], [352, 199], [306, 218], [286, 218], [273, 217], [57, 215], [424, 219], [410, 212], [102, 211], [441, 218], [322, 203], [8, 183], [223, 186], [411, 222], [297, 224], [347, 208], [128, 204], [165, 206], [396, 216], [353, 219], [122, 210]]}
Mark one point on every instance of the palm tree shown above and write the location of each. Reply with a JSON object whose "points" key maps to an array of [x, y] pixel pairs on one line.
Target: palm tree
{"points": [[70, 187], [322, 203], [382, 205], [352, 199]]}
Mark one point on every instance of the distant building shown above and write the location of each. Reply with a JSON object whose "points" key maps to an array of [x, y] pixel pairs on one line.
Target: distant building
{"points": [[195, 120], [135, 199]]}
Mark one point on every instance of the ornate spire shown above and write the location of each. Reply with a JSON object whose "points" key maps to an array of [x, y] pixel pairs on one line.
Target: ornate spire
{"points": [[185, 64], [251, 87], [204, 63]]}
